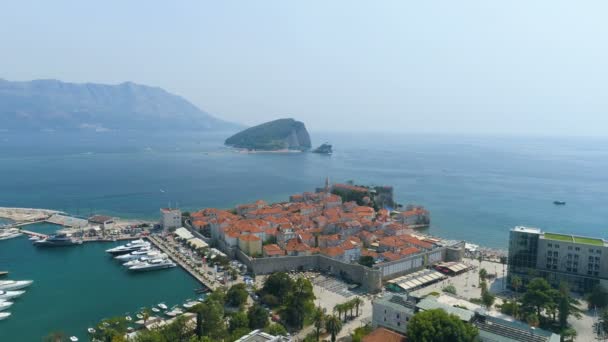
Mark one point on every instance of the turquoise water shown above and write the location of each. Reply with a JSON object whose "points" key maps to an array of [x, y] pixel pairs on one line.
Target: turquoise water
{"points": [[75, 287]]}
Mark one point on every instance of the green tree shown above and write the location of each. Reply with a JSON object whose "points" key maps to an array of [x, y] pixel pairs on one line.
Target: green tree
{"points": [[276, 329], [568, 335], [318, 319], [361, 332], [483, 274], [198, 309], [213, 324], [299, 302], [366, 260], [333, 325], [566, 305], [258, 317], [237, 295], [358, 302], [510, 308], [339, 309], [450, 289], [516, 283], [278, 284], [537, 296], [437, 326], [487, 299], [598, 297], [238, 320], [532, 320]]}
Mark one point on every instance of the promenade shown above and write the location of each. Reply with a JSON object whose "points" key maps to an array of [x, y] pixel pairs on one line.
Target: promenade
{"points": [[188, 265]]}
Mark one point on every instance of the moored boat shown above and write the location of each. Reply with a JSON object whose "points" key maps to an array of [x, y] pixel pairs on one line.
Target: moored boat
{"points": [[132, 246], [57, 240], [10, 294], [156, 264], [11, 285], [559, 202], [4, 315], [5, 305]]}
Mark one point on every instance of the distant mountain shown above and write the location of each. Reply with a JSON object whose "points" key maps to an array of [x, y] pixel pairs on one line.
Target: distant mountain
{"points": [[271, 136], [52, 104]]}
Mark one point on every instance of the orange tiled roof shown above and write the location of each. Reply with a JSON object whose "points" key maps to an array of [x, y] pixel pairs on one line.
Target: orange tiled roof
{"points": [[273, 249], [332, 251]]}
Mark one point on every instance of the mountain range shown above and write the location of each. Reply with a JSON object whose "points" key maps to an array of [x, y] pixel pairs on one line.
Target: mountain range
{"points": [[57, 105]]}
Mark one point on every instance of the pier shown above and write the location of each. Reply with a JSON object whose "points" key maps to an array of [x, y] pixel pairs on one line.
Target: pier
{"points": [[198, 274], [30, 233]]}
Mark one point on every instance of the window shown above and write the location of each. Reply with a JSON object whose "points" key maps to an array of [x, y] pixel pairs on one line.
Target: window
{"points": [[590, 258], [598, 251], [398, 324], [569, 256], [556, 246], [397, 316], [577, 249], [549, 245], [569, 269], [589, 272], [590, 250], [596, 273]]}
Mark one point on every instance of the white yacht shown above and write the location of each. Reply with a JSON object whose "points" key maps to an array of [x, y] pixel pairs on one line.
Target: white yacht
{"points": [[132, 246], [5, 305], [146, 251], [152, 265], [145, 259], [10, 294], [10, 233], [4, 315], [8, 285], [163, 306]]}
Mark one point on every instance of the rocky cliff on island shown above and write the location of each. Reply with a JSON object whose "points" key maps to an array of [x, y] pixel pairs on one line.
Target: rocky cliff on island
{"points": [[281, 134]]}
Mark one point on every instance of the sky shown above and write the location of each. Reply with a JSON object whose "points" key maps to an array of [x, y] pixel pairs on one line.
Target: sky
{"points": [[512, 67]]}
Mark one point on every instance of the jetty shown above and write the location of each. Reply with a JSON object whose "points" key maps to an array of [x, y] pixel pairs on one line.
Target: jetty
{"points": [[31, 233], [196, 274]]}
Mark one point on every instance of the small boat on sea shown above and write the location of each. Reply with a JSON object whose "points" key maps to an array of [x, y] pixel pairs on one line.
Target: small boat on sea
{"points": [[5, 305], [155, 310], [128, 318], [174, 312], [559, 202], [163, 306], [34, 238], [11, 285], [6, 295], [190, 304], [3, 273], [4, 315], [155, 264], [74, 339], [91, 330]]}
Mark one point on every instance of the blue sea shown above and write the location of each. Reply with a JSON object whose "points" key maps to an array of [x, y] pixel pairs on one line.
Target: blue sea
{"points": [[476, 187]]}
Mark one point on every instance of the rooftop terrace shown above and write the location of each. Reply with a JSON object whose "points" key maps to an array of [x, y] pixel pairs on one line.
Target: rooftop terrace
{"points": [[574, 239]]}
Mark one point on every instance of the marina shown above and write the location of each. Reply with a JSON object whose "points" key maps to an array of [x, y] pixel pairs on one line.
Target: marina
{"points": [[94, 284]]}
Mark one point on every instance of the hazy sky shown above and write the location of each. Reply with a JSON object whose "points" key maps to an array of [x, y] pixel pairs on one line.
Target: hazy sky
{"points": [[412, 66]]}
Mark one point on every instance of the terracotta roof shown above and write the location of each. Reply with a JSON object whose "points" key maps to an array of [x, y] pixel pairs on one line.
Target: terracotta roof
{"points": [[247, 237], [384, 335], [409, 250], [273, 249], [390, 256], [296, 245], [332, 251]]}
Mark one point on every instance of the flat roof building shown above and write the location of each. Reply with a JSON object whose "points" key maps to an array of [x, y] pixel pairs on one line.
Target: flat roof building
{"points": [[580, 261]]}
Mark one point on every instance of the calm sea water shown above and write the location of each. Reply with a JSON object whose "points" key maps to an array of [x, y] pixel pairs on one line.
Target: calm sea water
{"points": [[477, 188], [75, 287]]}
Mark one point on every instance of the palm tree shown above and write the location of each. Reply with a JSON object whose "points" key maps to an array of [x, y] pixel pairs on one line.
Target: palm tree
{"points": [[482, 275], [339, 308], [357, 301], [333, 325], [319, 320], [516, 283], [145, 312]]}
